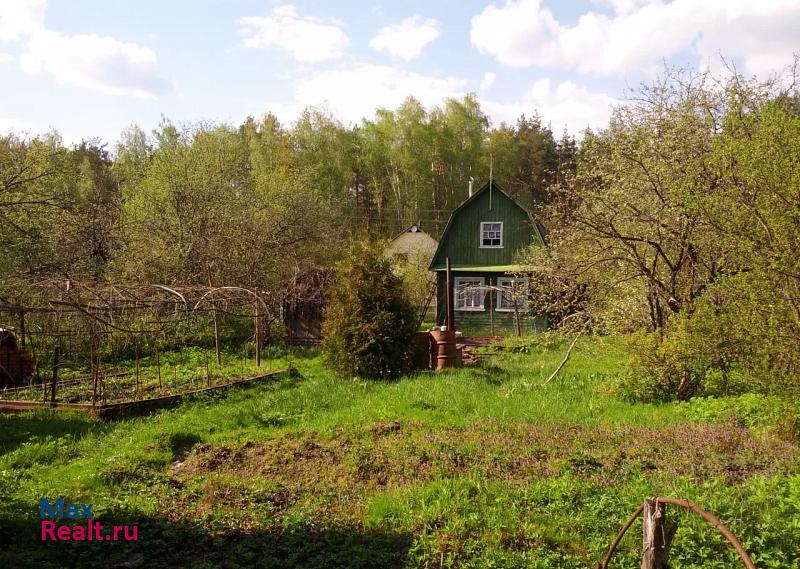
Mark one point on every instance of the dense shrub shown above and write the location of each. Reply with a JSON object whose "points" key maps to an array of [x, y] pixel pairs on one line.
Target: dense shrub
{"points": [[719, 349], [694, 357], [369, 322]]}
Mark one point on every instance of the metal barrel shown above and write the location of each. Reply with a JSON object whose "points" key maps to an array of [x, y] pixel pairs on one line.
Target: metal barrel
{"points": [[446, 354]]}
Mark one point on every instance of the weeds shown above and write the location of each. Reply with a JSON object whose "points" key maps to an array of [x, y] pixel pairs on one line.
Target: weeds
{"points": [[475, 467]]}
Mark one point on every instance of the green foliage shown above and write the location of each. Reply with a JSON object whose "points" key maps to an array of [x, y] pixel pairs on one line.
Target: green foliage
{"points": [[216, 203], [694, 357], [720, 349], [752, 410], [369, 321], [475, 467], [681, 218]]}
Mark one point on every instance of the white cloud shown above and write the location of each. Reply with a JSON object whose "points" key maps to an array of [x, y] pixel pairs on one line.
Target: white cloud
{"points": [[6, 57], [379, 86], [406, 39], [101, 63], [19, 18], [639, 34], [305, 39], [90, 61], [565, 105], [354, 93], [488, 80]]}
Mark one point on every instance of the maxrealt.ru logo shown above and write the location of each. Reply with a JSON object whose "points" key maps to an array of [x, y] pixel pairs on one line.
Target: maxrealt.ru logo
{"points": [[91, 531]]}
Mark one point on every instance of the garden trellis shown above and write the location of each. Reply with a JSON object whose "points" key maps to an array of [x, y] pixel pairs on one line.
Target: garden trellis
{"points": [[77, 331]]}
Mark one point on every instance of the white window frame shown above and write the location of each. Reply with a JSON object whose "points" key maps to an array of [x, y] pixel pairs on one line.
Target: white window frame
{"points": [[480, 235], [457, 281], [506, 281]]}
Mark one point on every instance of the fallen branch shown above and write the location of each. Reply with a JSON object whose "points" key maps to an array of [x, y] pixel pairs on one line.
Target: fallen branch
{"points": [[567, 355]]}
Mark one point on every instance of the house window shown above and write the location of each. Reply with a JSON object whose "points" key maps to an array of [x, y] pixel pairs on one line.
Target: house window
{"points": [[469, 293], [491, 234], [513, 295]]}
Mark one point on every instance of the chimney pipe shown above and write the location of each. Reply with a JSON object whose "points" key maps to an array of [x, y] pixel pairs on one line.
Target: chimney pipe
{"points": [[471, 180]]}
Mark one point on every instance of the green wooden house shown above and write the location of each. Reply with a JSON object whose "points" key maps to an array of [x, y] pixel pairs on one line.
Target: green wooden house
{"points": [[482, 239]]}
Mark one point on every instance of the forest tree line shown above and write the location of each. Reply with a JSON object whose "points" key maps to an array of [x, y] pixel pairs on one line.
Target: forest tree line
{"points": [[251, 204]]}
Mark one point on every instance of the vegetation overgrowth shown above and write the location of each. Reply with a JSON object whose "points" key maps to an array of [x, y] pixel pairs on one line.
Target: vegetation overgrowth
{"points": [[674, 232], [476, 467], [680, 222], [168, 373]]}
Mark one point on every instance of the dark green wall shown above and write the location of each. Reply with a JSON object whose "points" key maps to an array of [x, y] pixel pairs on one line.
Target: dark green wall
{"points": [[461, 238], [479, 323]]}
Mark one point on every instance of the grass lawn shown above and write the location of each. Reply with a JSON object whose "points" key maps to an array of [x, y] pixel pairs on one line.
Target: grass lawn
{"points": [[479, 467]]}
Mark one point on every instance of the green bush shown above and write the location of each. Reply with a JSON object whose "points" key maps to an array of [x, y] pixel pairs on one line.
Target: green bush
{"points": [[696, 356], [369, 322]]}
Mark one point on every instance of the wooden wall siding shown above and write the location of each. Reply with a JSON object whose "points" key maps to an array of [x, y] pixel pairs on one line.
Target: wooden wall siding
{"points": [[461, 239], [478, 323]]}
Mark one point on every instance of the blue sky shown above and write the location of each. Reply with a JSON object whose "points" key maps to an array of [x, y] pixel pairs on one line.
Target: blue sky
{"points": [[90, 68]]}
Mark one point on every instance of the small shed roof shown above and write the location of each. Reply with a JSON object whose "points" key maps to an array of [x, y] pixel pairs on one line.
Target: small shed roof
{"points": [[414, 228]]}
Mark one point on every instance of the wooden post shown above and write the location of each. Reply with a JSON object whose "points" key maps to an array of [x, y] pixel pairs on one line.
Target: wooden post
{"points": [[94, 384], [158, 365], [91, 360], [216, 326], [56, 354], [138, 386], [258, 335], [490, 293], [657, 535], [216, 338], [208, 370], [101, 380], [22, 329], [450, 322]]}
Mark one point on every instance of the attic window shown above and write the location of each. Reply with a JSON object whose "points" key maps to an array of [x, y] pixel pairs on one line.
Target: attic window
{"points": [[491, 234]]}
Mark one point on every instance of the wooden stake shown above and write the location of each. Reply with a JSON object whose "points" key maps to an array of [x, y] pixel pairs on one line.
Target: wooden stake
{"points": [[91, 359], [490, 294], [216, 327], [138, 387], [101, 379], [258, 335], [208, 370], [450, 314], [94, 383], [158, 366], [56, 354], [22, 328], [657, 536], [566, 356]]}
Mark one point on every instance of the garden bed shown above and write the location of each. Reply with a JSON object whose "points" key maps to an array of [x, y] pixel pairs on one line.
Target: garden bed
{"points": [[112, 409]]}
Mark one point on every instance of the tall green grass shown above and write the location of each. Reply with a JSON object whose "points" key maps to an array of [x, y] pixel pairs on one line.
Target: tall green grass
{"points": [[458, 516]]}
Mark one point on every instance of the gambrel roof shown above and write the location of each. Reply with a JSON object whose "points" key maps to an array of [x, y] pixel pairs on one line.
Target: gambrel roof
{"points": [[460, 239]]}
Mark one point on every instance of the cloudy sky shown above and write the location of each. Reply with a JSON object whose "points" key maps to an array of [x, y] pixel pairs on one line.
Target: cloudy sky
{"points": [[91, 67]]}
